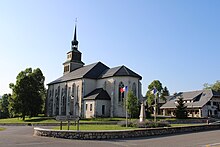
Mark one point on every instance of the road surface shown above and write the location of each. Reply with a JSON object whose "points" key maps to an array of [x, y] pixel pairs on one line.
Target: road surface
{"points": [[22, 136]]}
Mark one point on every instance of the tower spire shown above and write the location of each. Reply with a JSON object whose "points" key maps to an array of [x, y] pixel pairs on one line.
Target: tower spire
{"points": [[75, 42], [75, 39]]}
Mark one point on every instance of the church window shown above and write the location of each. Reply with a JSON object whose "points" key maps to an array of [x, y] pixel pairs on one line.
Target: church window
{"points": [[86, 107], [77, 94], [90, 107], [73, 90], [103, 109], [68, 96], [134, 89], [120, 92], [57, 95], [104, 87]]}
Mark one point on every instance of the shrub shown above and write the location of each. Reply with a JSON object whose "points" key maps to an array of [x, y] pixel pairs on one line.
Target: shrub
{"points": [[123, 124], [150, 124]]}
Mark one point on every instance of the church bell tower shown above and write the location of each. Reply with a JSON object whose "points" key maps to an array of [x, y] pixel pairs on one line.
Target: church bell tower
{"points": [[73, 61]]}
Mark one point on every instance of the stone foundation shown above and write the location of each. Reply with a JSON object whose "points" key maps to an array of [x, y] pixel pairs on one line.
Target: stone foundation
{"points": [[116, 134]]}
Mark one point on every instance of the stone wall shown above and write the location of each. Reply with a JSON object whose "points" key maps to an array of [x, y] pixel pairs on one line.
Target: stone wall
{"points": [[121, 133]]}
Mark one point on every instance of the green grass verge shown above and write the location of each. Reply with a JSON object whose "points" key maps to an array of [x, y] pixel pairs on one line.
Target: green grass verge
{"points": [[52, 120], [95, 127], [111, 127], [1, 129], [29, 120], [184, 125]]}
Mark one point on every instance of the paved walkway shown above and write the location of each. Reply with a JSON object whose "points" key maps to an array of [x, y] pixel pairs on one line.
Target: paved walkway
{"points": [[22, 136]]}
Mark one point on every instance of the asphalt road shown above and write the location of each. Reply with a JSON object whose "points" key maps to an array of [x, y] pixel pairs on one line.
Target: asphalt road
{"points": [[22, 136]]}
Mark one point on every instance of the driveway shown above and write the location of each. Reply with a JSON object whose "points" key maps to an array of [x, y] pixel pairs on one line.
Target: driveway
{"points": [[22, 136]]}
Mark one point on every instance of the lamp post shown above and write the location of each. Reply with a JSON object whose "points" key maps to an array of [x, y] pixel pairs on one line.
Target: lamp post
{"points": [[77, 118]]}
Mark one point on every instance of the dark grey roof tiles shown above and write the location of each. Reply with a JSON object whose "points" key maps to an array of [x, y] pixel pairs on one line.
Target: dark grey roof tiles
{"points": [[204, 97], [92, 71], [95, 71], [119, 71], [98, 94]]}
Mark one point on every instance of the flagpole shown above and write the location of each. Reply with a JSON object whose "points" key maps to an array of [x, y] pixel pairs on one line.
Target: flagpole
{"points": [[126, 112], [155, 109]]}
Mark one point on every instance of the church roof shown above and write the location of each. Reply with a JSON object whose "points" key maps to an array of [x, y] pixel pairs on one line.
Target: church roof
{"points": [[91, 71], [96, 71], [97, 94], [119, 71]]}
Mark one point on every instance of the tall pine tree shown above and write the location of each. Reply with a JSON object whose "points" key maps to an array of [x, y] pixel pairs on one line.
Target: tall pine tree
{"points": [[181, 111]]}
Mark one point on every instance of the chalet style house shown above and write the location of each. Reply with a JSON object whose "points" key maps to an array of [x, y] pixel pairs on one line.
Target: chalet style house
{"points": [[202, 103]]}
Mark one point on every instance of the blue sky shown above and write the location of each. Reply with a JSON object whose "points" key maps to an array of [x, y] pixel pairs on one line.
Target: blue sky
{"points": [[174, 41]]}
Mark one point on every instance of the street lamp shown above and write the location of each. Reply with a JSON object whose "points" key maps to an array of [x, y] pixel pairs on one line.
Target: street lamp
{"points": [[77, 118]]}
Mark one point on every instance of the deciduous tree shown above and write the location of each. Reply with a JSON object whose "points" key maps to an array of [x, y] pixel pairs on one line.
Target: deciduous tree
{"points": [[132, 104], [4, 104], [28, 93], [215, 86]]}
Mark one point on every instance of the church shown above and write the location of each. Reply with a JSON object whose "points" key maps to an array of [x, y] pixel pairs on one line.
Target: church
{"points": [[89, 91]]}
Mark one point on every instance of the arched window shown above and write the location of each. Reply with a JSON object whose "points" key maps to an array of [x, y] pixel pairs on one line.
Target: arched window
{"points": [[104, 86], [120, 92], [73, 90], [134, 90], [57, 95], [63, 100]]}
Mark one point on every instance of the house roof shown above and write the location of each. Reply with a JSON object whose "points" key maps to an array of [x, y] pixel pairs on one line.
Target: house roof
{"points": [[199, 98], [96, 71], [119, 71], [98, 94]]}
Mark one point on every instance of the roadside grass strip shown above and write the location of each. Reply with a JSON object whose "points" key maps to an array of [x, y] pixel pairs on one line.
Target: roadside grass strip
{"points": [[1, 129], [95, 127]]}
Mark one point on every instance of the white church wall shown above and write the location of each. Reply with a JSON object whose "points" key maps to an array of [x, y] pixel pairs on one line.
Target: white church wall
{"points": [[89, 108], [99, 106], [112, 87], [89, 85]]}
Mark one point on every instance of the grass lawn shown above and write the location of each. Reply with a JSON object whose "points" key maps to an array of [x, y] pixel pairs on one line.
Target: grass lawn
{"points": [[184, 125], [95, 127], [41, 119], [111, 127], [1, 129], [28, 120]]}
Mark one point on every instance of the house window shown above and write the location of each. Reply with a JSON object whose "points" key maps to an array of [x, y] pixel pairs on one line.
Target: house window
{"points": [[208, 103], [103, 109], [120, 92], [86, 107], [90, 107]]}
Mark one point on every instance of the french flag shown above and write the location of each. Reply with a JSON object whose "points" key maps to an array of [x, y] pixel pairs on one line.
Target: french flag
{"points": [[154, 91], [124, 89]]}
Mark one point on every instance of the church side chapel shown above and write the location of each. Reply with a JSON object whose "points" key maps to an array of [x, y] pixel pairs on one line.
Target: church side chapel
{"points": [[93, 90]]}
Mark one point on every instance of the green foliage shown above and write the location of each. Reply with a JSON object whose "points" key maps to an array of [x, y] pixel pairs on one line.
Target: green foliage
{"points": [[28, 94], [95, 127], [145, 124], [181, 111], [132, 105], [215, 86], [1, 129], [4, 104], [150, 97], [165, 91]]}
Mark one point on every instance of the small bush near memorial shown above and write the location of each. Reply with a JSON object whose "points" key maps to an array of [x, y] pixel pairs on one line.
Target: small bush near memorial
{"points": [[146, 124]]}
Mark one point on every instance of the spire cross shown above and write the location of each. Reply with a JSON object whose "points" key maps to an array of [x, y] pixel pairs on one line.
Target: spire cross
{"points": [[76, 20]]}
